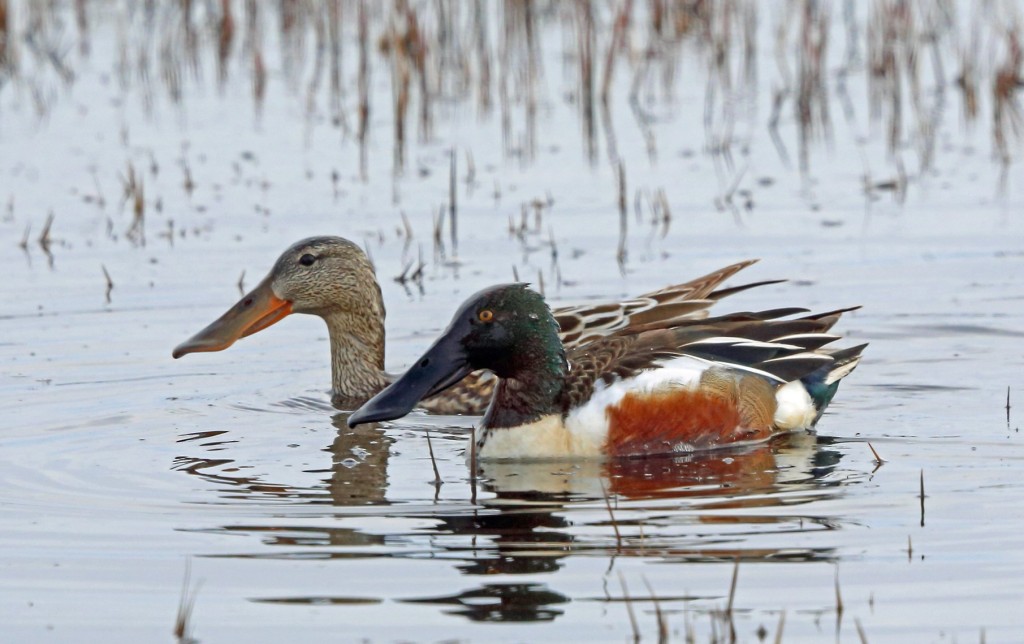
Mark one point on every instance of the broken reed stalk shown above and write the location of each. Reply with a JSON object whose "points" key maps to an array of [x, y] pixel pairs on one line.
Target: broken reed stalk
{"points": [[363, 122], [470, 169], [689, 635], [259, 82], [417, 275], [472, 465], [81, 22], [226, 35], [186, 602], [241, 282], [623, 221], [860, 631], [44, 237], [396, 43], [334, 25], [779, 629], [839, 598], [726, 615], [1007, 405], [5, 30], [662, 622], [666, 213], [532, 74], [1006, 114], [418, 51], [110, 282], [433, 461], [618, 38], [615, 524], [483, 57], [732, 589], [439, 253], [188, 184], [137, 231], [629, 606], [405, 231], [100, 201], [453, 209], [403, 277], [555, 268], [922, 498], [878, 459], [585, 42]]}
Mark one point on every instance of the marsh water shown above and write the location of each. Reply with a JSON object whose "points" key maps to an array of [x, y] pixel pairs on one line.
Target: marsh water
{"points": [[155, 158]]}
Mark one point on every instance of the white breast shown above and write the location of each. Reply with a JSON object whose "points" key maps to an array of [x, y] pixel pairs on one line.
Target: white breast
{"points": [[546, 438]]}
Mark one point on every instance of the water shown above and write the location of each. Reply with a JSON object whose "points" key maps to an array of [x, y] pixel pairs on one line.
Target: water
{"points": [[122, 468]]}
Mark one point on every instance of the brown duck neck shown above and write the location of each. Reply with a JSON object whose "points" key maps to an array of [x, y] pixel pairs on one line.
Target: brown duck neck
{"points": [[357, 357]]}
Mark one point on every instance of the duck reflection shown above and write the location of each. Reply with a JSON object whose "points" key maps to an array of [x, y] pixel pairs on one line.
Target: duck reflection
{"points": [[529, 518], [502, 603], [358, 473], [728, 478]]}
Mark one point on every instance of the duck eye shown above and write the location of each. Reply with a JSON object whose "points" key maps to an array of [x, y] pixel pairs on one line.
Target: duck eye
{"points": [[307, 259], [486, 315]]}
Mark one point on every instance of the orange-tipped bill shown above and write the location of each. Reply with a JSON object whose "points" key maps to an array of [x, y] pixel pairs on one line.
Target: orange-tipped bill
{"points": [[256, 311]]}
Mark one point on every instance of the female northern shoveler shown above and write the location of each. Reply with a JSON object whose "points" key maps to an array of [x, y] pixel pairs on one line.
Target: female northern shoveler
{"points": [[332, 278], [647, 388]]}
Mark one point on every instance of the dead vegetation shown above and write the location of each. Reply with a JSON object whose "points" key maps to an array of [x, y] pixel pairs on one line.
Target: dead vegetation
{"points": [[722, 625], [803, 73], [442, 54], [186, 604]]}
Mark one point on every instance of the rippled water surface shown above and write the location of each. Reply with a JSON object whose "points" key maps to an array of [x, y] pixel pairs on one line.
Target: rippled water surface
{"points": [[171, 172]]}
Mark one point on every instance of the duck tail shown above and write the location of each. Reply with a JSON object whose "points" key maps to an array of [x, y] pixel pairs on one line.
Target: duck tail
{"points": [[823, 382]]}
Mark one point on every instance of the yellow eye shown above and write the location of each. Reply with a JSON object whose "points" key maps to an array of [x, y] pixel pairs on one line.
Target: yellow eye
{"points": [[486, 315]]}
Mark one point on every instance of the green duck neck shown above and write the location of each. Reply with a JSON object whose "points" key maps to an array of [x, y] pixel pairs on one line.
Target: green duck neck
{"points": [[530, 385]]}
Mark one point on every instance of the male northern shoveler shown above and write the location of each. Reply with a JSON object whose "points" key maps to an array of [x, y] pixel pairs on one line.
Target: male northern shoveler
{"points": [[647, 388], [334, 279]]}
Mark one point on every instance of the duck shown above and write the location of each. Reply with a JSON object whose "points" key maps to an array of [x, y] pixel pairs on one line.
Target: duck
{"points": [[646, 388], [333, 278]]}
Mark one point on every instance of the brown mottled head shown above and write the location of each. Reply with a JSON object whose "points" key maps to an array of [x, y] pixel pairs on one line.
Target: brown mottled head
{"points": [[321, 276]]}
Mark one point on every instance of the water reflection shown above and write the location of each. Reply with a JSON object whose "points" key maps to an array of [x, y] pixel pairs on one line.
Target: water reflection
{"points": [[530, 518], [357, 473], [502, 603]]}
